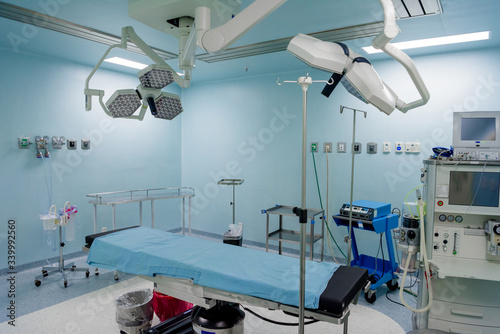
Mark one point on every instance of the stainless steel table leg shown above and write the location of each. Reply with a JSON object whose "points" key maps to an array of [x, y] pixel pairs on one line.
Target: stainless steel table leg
{"points": [[114, 216], [189, 204], [280, 243], [152, 214], [322, 235], [140, 213], [183, 216], [95, 218], [267, 233], [311, 247]]}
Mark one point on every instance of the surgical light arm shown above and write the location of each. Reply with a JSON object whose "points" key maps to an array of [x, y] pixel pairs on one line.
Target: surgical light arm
{"points": [[382, 42], [217, 39], [355, 72]]}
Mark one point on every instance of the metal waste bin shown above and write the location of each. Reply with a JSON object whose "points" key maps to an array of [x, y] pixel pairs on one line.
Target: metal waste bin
{"points": [[134, 311]]}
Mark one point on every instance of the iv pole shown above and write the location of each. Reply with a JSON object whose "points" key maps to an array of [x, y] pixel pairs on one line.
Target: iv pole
{"points": [[302, 213], [349, 238]]}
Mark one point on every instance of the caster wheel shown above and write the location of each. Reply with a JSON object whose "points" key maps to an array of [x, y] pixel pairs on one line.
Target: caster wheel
{"points": [[45, 275], [65, 284], [370, 297], [37, 283], [97, 273], [117, 278], [73, 268], [392, 286], [87, 274]]}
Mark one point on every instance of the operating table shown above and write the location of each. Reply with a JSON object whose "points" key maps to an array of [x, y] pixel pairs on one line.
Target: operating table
{"points": [[205, 279]]}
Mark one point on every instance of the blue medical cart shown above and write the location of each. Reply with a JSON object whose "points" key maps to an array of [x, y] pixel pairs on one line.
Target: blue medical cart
{"points": [[381, 271]]}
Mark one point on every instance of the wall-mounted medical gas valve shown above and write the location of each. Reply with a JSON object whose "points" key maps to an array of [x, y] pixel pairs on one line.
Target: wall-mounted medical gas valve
{"points": [[58, 142], [42, 144]]}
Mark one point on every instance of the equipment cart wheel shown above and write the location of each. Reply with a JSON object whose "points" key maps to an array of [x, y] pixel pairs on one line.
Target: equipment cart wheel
{"points": [[96, 272], [65, 284], [38, 283], [73, 268], [44, 273], [392, 286], [370, 296], [87, 274]]}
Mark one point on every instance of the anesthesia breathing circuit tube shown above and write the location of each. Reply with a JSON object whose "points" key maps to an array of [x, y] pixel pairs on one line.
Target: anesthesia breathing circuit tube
{"points": [[411, 250]]}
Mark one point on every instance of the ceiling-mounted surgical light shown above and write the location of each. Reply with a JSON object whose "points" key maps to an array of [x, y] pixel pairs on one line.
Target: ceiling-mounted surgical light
{"points": [[356, 72], [155, 76], [168, 106], [123, 103]]}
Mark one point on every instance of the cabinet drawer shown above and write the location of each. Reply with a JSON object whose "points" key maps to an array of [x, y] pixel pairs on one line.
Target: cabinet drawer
{"points": [[450, 327], [465, 314], [466, 291]]}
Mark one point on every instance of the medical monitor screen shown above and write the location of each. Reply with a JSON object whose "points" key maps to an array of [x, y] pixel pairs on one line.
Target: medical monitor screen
{"points": [[478, 129], [474, 188]]}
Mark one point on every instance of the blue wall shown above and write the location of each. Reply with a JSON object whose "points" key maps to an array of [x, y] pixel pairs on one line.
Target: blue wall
{"points": [[246, 128], [42, 96], [250, 128]]}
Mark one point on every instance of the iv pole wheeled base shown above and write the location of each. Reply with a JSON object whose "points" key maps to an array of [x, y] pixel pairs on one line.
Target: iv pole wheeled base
{"points": [[47, 271]]}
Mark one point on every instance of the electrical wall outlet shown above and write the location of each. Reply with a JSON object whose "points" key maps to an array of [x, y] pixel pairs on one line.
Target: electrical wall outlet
{"points": [[357, 147], [314, 147], [71, 144], [371, 148], [412, 148], [387, 147], [399, 147], [341, 147], [328, 147], [85, 144]]}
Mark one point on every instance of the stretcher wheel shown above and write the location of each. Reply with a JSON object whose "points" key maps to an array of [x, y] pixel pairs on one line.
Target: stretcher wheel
{"points": [[392, 286], [38, 283], [370, 296], [65, 284], [87, 273]]}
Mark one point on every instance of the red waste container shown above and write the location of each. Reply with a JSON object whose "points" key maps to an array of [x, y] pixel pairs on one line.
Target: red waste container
{"points": [[167, 307]]}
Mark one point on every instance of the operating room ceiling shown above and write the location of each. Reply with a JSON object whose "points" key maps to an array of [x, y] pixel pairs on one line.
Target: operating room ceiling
{"points": [[295, 16]]}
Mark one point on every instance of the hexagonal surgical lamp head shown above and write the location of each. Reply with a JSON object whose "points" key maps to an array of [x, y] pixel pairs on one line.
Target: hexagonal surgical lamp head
{"points": [[123, 103], [155, 76]]}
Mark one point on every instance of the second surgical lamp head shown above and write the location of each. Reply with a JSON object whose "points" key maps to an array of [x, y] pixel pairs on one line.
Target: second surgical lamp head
{"points": [[125, 102]]}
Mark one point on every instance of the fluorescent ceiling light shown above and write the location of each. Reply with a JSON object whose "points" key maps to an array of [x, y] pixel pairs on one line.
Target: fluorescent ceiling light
{"points": [[125, 62], [129, 63], [477, 36]]}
